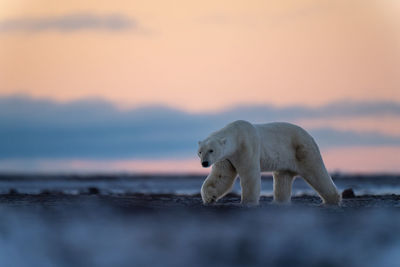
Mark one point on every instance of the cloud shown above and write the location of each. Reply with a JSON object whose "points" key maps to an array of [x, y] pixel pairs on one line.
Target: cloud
{"points": [[96, 129], [336, 109], [69, 23]]}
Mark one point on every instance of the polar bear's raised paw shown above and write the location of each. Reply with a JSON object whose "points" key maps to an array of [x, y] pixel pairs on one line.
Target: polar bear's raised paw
{"points": [[209, 194]]}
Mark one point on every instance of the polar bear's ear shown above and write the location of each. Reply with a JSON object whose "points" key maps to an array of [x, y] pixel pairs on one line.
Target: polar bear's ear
{"points": [[199, 142], [223, 140]]}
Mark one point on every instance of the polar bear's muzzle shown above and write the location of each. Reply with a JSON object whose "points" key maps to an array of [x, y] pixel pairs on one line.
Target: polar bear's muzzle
{"points": [[205, 164]]}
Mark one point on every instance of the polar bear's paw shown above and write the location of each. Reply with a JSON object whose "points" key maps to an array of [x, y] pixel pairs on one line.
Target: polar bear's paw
{"points": [[249, 204], [209, 194]]}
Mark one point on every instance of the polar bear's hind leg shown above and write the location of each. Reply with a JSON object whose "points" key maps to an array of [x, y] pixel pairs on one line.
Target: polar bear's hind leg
{"points": [[283, 181], [320, 180], [312, 168]]}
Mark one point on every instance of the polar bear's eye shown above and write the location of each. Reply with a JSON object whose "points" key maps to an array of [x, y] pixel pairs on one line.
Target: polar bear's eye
{"points": [[211, 151]]}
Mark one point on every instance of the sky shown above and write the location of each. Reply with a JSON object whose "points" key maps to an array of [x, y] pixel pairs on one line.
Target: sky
{"points": [[73, 70]]}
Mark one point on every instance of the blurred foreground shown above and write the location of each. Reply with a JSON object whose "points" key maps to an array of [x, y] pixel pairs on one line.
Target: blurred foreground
{"points": [[108, 222]]}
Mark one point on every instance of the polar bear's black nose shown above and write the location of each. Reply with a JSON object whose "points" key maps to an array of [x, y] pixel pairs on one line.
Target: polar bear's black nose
{"points": [[204, 164]]}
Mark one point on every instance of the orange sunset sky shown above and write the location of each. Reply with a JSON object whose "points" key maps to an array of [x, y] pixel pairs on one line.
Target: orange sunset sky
{"points": [[207, 56]]}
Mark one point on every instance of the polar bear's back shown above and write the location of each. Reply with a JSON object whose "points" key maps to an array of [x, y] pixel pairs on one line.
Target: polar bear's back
{"points": [[284, 130], [281, 140]]}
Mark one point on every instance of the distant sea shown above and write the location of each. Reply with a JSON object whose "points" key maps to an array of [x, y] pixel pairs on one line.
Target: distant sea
{"points": [[179, 184]]}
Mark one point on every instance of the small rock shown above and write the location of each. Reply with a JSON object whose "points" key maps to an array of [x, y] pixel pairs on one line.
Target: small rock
{"points": [[93, 191], [348, 193], [45, 192], [13, 191]]}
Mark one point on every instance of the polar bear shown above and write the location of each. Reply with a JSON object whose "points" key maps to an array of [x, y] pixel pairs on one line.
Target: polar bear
{"points": [[246, 149]]}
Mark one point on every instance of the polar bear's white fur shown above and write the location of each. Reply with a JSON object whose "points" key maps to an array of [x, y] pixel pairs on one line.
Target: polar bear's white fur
{"points": [[246, 149]]}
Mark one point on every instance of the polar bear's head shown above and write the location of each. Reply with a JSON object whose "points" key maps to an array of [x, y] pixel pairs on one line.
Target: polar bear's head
{"points": [[211, 150]]}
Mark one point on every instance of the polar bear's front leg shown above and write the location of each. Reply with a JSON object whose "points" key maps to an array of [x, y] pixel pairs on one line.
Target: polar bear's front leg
{"points": [[219, 182], [283, 186], [250, 181]]}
